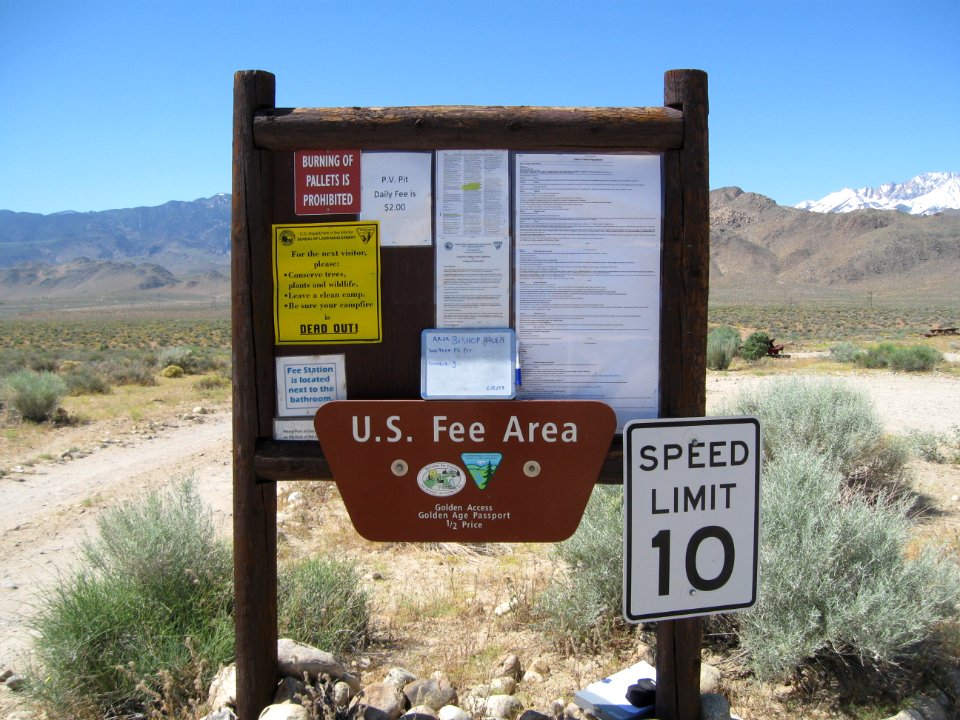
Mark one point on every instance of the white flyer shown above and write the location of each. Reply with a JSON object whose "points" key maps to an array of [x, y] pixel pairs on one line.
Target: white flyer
{"points": [[474, 194], [395, 188], [588, 234], [305, 382], [473, 283]]}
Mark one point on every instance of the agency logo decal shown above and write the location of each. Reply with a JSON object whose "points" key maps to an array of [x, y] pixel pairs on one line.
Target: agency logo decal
{"points": [[441, 479], [481, 466]]}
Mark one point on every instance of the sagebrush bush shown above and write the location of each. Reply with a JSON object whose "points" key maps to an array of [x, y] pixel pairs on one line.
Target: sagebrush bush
{"points": [[35, 396], [148, 610], [722, 345], [915, 358], [321, 603], [844, 352], [194, 360], [877, 356], [82, 379], [835, 581], [755, 346], [578, 609], [833, 419], [129, 371]]}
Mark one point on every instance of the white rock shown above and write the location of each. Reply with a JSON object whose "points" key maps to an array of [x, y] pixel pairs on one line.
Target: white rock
{"points": [[452, 712], [223, 688], [286, 711], [295, 498], [502, 706], [503, 686], [295, 658]]}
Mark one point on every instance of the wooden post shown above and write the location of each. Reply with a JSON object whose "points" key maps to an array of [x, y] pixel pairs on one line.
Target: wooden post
{"points": [[254, 503], [685, 283]]}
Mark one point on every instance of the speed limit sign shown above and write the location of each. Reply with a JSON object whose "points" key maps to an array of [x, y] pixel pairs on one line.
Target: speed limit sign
{"points": [[692, 516]]}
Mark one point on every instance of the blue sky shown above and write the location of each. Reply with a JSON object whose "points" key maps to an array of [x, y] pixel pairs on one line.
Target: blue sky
{"points": [[120, 104]]}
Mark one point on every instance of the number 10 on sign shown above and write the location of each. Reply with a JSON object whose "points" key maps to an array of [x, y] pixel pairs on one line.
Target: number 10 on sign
{"points": [[691, 516]]}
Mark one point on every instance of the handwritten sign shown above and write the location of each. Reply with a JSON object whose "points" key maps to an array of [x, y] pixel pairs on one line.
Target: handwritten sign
{"points": [[468, 364]]}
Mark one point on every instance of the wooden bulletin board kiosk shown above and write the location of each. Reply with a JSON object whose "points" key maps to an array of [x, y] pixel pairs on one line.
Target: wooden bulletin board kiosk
{"points": [[377, 252]]}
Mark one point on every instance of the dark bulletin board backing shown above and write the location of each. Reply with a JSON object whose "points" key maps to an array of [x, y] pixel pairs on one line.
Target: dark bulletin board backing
{"points": [[264, 140]]}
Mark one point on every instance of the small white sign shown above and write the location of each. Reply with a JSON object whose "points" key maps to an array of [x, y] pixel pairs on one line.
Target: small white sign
{"points": [[468, 364], [396, 190], [305, 382], [294, 429], [691, 516]]}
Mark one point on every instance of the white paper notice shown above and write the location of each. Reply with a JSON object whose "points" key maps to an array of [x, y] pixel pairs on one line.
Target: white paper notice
{"points": [[395, 189], [474, 189], [473, 283], [473, 239], [588, 279]]}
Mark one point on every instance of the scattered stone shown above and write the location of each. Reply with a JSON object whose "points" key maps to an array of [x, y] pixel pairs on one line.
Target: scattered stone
{"points": [[532, 677], [540, 665], [432, 693], [5, 673], [452, 712], [709, 678], [223, 688], [572, 712], [15, 682], [646, 653], [290, 690], [505, 607], [420, 712], [200, 410], [383, 701], [502, 706], [925, 707], [533, 715], [8, 584], [286, 711], [510, 667], [556, 709], [503, 686], [714, 707], [295, 498], [400, 677], [342, 694], [295, 658], [221, 714]]}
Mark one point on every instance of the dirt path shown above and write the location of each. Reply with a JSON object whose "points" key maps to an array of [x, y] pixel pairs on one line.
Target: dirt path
{"points": [[47, 511]]}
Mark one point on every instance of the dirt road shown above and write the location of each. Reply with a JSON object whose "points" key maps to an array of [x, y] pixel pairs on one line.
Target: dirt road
{"points": [[47, 510]]}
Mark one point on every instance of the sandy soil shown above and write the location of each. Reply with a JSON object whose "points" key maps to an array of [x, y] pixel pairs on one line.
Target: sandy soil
{"points": [[48, 509]]}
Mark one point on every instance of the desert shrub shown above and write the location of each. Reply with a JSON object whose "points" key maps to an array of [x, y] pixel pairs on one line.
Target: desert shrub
{"points": [[722, 345], [755, 346], [82, 379], [194, 360], [830, 418], [915, 358], [836, 583], [844, 352], [322, 604], [579, 609], [172, 371], [35, 396], [877, 356], [211, 382], [926, 446], [149, 604], [129, 371]]}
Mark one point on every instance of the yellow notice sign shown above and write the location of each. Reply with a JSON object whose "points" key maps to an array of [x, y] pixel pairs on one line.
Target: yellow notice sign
{"points": [[326, 282]]}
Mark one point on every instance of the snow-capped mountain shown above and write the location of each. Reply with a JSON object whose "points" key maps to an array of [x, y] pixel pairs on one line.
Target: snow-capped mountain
{"points": [[923, 195]]}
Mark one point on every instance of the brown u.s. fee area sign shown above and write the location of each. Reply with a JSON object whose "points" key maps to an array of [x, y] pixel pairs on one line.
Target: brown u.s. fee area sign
{"points": [[465, 471]]}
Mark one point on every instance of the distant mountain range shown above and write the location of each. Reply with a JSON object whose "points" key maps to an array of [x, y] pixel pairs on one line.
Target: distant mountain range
{"points": [[183, 237], [759, 250], [925, 194]]}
